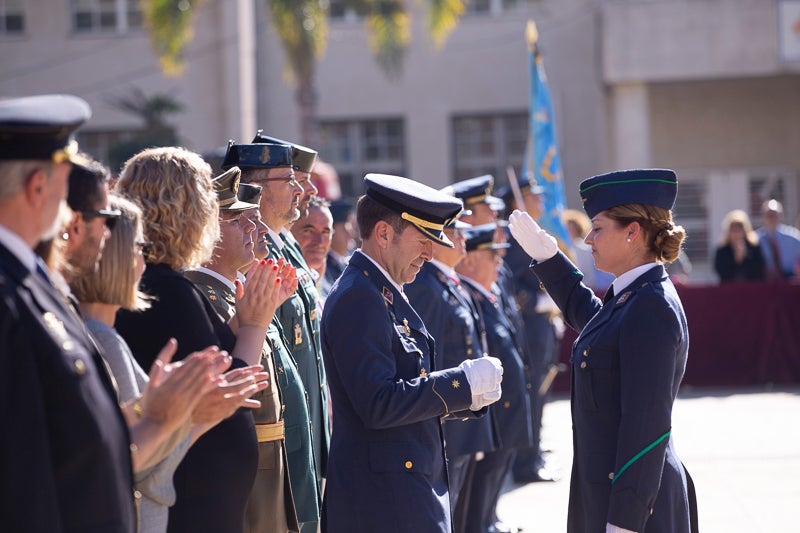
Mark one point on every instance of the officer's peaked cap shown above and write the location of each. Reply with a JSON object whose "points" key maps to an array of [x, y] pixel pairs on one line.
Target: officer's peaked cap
{"points": [[427, 209], [250, 193], [42, 127], [473, 190], [226, 185], [483, 238]]}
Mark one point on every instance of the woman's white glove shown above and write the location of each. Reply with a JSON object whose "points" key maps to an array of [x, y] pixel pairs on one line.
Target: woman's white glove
{"points": [[536, 242]]}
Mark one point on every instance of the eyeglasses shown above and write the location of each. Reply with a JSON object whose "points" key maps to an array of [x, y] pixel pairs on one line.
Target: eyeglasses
{"points": [[145, 247], [111, 216], [290, 179]]}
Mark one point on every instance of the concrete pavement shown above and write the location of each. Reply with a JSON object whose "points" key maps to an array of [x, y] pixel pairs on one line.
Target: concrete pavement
{"points": [[741, 446]]}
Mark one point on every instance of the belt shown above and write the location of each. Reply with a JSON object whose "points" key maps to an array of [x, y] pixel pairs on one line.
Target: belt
{"points": [[270, 432]]}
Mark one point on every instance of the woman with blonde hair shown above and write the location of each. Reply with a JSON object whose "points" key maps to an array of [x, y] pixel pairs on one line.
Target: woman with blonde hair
{"points": [[738, 257], [114, 285], [173, 188], [629, 358]]}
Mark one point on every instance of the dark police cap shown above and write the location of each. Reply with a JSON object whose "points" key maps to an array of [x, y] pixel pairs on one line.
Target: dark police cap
{"points": [[42, 127], [483, 238], [473, 190], [650, 186], [341, 208], [428, 210], [526, 184], [226, 185], [257, 156], [250, 193], [303, 158]]}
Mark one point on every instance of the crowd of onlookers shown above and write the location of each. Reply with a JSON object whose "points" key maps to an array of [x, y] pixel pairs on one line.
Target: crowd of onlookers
{"points": [[771, 253]]}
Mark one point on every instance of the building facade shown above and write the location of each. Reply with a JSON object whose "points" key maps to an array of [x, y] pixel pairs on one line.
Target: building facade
{"points": [[707, 87]]}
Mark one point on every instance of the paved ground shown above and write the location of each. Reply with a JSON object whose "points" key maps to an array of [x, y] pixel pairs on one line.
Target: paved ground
{"points": [[741, 446]]}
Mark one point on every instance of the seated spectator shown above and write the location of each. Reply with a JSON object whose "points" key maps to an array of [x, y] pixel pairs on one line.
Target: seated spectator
{"points": [[780, 243], [738, 257]]}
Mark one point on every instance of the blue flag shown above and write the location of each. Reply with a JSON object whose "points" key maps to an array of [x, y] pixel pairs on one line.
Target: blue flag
{"points": [[542, 163]]}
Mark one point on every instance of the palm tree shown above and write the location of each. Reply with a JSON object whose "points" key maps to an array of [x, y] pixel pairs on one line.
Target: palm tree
{"points": [[302, 26]]}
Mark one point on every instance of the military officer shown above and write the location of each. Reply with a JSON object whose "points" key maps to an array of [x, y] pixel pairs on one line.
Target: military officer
{"points": [[456, 325], [65, 445], [537, 313], [343, 240], [629, 358], [479, 274], [388, 396], [302, 470], [271, 166], [270, 506]]}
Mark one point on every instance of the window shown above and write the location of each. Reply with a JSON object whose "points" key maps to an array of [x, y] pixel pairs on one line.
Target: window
{"points": [[356, 148], [488, 144], [106, 16], [12, 17], [339, 10], [496, 7]]}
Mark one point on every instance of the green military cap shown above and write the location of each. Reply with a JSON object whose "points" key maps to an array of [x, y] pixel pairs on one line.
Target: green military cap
{"points": [[42, 127], [250, 193], [303, 158], [226, 186]]}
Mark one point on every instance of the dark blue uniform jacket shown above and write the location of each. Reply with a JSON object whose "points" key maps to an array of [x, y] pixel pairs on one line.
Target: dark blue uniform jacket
{"points": [[627, 365], [387, 468]]}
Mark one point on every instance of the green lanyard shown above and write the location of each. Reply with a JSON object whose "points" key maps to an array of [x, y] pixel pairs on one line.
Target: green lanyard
{"points": [[640, 454]]}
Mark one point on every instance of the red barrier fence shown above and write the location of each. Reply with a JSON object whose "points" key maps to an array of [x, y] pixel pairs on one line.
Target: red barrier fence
{"points": [[740, 334]]}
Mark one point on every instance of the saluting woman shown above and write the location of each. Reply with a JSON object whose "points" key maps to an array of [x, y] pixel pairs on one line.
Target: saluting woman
{"points": [[629, 359]]}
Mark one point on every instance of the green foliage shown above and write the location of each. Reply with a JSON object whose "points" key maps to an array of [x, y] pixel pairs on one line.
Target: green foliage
{"points": [[303, 29], [443, 17], [170, 25]]}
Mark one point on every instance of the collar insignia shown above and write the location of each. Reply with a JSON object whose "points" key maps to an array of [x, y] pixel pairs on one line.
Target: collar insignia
{"points": [[622, 297], [388, 295]]}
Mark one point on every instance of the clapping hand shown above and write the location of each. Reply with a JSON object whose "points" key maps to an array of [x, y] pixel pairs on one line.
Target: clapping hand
{"points": [[232, 391]]}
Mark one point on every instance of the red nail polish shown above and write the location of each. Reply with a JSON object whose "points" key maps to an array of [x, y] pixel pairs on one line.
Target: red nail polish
{"points": [[263, 262]]}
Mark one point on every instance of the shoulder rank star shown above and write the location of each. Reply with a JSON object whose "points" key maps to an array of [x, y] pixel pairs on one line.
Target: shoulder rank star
{"points": [[456, 384]]}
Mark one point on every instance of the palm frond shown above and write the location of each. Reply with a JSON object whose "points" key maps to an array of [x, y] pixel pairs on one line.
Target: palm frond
{"points": [[303, 30], [389, 32], [170, 25], [443, 17]]}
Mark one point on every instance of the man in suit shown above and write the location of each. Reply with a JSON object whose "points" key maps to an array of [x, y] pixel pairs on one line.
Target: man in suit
{"points": [[387, 468], [479, 271], [272, 167], [270, 507], [456, 325], [66, 456]]}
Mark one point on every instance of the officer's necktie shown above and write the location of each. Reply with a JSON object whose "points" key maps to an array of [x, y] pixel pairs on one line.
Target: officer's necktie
{"points": [[609, 295]]}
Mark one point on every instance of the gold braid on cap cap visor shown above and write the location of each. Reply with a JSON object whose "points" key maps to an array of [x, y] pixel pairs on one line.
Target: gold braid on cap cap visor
{"points": [[69, 154], [426, 226]]}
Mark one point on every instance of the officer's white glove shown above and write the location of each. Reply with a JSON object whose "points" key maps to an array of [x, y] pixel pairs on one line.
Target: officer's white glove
{"points": [[487, 398], [536, 242], [483, 374]]}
